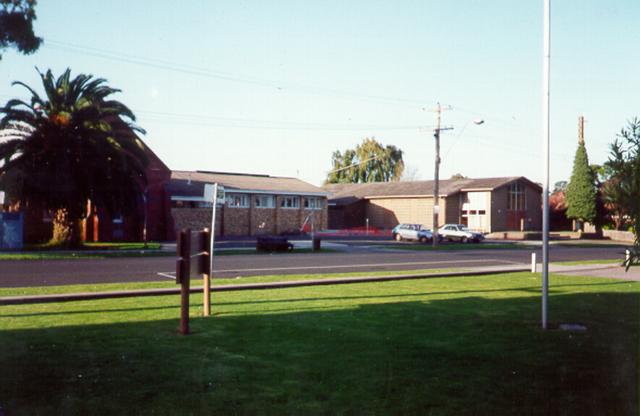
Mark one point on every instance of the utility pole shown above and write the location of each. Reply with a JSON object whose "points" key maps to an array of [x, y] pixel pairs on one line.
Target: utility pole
{"points": [[581, 130], [436, 176]]}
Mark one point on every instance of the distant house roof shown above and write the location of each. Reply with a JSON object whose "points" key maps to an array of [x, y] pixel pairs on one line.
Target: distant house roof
{"points": [[191, 184], [343, 192]]}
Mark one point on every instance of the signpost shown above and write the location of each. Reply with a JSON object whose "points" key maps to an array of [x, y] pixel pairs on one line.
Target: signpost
{"points": [[193, 257], [215, 194]]}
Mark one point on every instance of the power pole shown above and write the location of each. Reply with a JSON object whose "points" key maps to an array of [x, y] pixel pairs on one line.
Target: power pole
{"points": [[581, 130], [436, 176]]}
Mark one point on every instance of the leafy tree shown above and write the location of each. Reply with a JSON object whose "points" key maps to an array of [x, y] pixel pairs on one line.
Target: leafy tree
{"points": [[73, 145], [16, 26], [560, 186], [458, 176], [622, 189], [581, 192], [370, 161]]}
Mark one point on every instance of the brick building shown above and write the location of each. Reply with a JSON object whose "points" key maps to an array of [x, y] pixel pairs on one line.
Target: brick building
{"points": [[253, 205], [486, 205], [152, 213]]}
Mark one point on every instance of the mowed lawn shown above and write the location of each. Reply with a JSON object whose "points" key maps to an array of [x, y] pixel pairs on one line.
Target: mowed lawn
{"points": [[441, 346]]}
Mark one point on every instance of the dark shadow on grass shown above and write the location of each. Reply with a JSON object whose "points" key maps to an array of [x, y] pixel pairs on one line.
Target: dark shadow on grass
{"points": [[463, 356]]}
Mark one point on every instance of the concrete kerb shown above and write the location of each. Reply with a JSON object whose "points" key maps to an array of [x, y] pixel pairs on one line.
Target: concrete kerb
{"points": [[83, 296]]}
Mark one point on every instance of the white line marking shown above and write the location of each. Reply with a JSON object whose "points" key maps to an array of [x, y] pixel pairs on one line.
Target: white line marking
{"points": [[167, 274]]}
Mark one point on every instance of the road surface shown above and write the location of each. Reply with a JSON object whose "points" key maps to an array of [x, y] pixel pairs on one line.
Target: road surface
{"points": [[135, 269]]}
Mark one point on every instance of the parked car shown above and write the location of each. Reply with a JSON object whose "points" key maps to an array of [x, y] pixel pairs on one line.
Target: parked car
{"points": [[459, 232], [411, 232]]}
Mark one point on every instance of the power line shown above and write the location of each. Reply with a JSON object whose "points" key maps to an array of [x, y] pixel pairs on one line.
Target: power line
{"points": [[219, 75]]}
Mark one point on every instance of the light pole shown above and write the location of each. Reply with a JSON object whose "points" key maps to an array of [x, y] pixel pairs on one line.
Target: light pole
{"points": [[545, 145]]}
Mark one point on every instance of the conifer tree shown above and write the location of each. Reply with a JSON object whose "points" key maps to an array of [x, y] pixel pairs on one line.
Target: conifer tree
{"points": [[581, 191]]}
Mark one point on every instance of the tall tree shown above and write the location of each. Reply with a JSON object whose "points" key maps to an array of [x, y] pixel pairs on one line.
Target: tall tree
{"points": [[370, 161], [622, 187], [16, 26], [73, 145], [581, 191]]}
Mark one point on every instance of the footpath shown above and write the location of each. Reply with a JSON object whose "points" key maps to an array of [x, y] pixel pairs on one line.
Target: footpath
{"points": [[611, 270]]}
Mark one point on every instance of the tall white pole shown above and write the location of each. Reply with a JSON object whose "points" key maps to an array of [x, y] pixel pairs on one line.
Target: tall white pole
{"points": [[545, 141], [213, 227]]}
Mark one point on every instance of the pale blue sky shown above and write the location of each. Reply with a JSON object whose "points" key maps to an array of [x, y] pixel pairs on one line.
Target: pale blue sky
{"points": [[276, 86]]}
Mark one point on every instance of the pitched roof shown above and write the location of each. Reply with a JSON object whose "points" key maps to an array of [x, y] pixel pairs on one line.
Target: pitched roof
{"points": [[416, 188], [189, 183]]}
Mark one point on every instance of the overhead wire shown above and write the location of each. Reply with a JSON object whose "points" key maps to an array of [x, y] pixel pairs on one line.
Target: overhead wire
{"points": [[225, 76]]}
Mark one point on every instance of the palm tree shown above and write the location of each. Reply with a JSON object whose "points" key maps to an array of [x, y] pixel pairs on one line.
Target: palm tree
{"points": [[69, 147]]}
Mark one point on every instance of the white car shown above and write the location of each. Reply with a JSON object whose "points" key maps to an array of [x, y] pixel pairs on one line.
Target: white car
{"points": [[459, 232]]}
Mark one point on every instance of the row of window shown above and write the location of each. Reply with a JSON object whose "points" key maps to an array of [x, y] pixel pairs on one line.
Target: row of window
{"points": [[269, 201], [260, 201]]}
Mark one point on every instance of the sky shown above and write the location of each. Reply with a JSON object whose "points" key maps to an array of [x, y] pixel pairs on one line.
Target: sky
{"points": [[275, 87]]}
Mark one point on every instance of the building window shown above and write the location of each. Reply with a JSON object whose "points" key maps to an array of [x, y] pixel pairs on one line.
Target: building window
{"points": [[313, 203], [237, 200], [517, 200], [265, 201], [290, 202]]}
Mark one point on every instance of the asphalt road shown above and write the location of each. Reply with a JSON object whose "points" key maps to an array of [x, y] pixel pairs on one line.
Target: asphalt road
{"points": [[88, 271]]}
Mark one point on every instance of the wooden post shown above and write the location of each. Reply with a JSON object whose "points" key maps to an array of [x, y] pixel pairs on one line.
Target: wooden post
{"points": [[183, 277], [206, 276]]}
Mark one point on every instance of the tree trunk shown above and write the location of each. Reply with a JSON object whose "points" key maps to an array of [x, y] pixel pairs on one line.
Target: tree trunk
{"points": [[67, 231]]}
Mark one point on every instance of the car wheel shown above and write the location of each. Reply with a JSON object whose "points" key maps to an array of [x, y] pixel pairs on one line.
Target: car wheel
{"points": [[463, 240], [398, 237], [423, 239]]}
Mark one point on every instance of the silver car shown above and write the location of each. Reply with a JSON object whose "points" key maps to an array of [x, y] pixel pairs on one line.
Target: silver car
{"points": [[411, 232]]}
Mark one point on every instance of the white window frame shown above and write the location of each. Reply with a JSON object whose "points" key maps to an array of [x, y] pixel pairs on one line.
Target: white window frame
{"points": [[258, 199], [295, 202], [313, 203], [230, 199]]}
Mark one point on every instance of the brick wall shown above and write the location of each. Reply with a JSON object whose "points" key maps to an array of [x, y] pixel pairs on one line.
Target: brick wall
{"points": [[386, 213], [249, 221], [500, 203], [236, 221], [195, 218]]}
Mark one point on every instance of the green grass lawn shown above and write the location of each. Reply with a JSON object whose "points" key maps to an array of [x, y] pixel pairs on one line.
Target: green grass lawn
{"points": [[446, 346], [101, 245], [105, 287], [457, 246], [131, 252], [73, 255]]}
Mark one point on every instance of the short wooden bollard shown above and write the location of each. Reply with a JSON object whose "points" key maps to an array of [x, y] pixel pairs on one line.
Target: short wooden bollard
{"points": [[183, 267]]}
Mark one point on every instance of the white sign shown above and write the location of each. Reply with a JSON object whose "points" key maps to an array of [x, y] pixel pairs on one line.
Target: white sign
{"points": [[208, 193], [1, 197], [436, 209]]}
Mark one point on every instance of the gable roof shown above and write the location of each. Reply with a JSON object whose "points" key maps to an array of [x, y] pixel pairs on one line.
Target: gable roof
{"points": [[189, 183], [418, 188]]}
